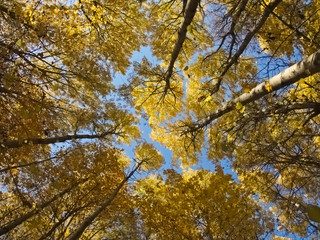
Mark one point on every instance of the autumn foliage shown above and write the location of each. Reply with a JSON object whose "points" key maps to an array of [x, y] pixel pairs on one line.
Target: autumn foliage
{"points": [[234, 84]]}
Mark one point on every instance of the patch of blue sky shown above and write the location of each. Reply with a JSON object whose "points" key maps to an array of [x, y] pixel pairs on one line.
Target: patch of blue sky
{"points": [[137, 56], [120, 79], [204, 162], [268, 66]]}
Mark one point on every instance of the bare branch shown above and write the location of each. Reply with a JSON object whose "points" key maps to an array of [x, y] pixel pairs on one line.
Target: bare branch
{"points": [[268, 10]]}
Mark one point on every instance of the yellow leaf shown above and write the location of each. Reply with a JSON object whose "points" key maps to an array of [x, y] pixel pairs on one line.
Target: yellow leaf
{"points": [[240, 107], [317, 139], [14, 172], [230, 137], [151, 157], [209, 98], [268, 87]]}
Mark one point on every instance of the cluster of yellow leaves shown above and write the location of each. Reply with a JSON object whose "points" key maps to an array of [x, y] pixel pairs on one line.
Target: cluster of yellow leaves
{"points": [[279, 162], [161, 100], [151, 158], [164, 23], [198, 204], [199, 100], [61, 56], [219, 146], [156, 102], [289, 28], [185, 147], [94, 170], [57, 63], [275, 140]]}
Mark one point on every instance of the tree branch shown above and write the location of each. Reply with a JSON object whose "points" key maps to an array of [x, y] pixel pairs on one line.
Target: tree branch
{"points": [[268, 10], [88, 220], [43, 141], [32, 163], [190, 11], [5, 229], [305, 68]]}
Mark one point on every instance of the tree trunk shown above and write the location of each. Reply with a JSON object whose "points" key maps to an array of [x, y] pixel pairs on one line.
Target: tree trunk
{"points": [[190, 11], [30, 214], [19, 143], [303, 69], [57, 224], [88, 220]]}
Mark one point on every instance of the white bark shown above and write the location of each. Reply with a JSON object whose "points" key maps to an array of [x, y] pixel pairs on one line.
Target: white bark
{"points": [[303, 69]]}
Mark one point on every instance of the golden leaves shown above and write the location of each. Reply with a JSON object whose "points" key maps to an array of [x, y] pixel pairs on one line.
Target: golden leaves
{"points": [[268, 87], [14, 171], [240, 107], [185, 147], [184, 199], [160, 99], [209, 98], [151, 158]]}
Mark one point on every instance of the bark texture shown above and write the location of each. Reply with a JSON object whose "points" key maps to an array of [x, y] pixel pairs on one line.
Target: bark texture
{"points": [[303, 69], [19, 143], [190, 11], [88, 220]]}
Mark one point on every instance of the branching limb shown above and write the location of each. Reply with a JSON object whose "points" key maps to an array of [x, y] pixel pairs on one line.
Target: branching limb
{"points": [[303, 69], [88, 221], [190, 11], [44, 141], [268, 10]]}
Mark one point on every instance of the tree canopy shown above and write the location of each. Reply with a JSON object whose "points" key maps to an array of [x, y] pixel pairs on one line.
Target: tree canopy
{"points": [[234, 81]]}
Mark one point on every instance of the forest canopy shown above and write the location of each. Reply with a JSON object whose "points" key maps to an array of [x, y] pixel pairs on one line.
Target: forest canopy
{"points": [[233, 82]]}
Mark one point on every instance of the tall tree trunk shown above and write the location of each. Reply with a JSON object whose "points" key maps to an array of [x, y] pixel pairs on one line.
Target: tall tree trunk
{"points": [[30, 214], [51, 140], [190, 11], [88, 220], [303, 69]]}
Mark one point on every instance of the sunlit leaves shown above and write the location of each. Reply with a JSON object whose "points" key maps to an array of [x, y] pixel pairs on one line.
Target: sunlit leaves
{"points": [[281, 35], [160, 99], [57, 61], [186, 147], [151, 158], [91, 171], [276, 154], [198, 204]]}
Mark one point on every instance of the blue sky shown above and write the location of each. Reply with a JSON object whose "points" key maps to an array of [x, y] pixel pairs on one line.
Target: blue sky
{"points": [[144, 126], [167, 154]]}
